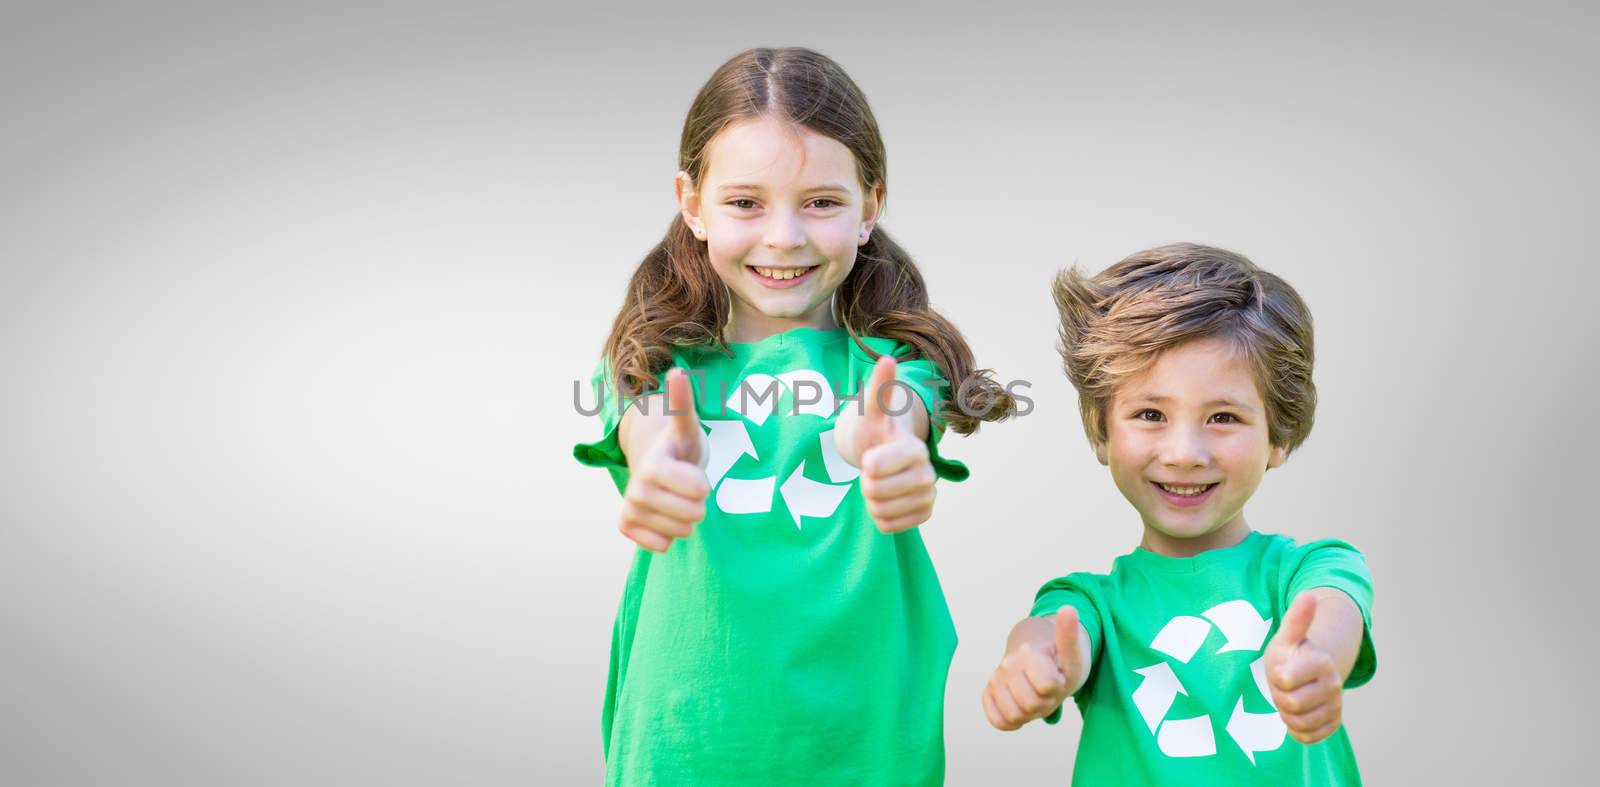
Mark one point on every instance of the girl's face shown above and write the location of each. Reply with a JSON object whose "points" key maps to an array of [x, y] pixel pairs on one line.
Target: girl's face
{"points": [[1187, 446], [782, 211]]}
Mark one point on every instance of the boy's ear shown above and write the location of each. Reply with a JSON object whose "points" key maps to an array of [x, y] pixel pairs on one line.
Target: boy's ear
{"points": [[689, 204], [1278, 456], [1100, 452]]}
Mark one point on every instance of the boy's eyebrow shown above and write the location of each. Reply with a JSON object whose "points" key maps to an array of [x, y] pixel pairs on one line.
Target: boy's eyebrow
{"points": [[1157, 399]]}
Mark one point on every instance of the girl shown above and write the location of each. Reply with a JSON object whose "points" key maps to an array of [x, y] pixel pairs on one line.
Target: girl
{"points": [[782, 623]]}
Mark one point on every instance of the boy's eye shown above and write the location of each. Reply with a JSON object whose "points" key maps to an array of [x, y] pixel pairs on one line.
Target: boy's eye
{"points": [[1225, 418], [1149, 415]]}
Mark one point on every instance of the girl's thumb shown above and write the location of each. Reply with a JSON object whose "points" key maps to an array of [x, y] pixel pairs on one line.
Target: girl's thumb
{"points": [[685, 424]]}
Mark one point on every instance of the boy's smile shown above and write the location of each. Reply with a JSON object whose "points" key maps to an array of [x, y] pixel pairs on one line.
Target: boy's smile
{"points": [[1187, 446]]}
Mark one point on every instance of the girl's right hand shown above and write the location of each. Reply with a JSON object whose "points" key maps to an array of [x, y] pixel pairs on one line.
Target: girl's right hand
{"points": [[1036, 676], [667, 486]]}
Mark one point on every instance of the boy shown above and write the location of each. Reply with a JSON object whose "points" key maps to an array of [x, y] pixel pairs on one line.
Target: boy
{"points": [[1193, 369]]}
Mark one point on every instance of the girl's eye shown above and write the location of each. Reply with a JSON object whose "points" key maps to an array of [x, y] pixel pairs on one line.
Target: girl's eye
{"points": [[1225, 418], [824, 203], [743, 204], [1149, 415]]}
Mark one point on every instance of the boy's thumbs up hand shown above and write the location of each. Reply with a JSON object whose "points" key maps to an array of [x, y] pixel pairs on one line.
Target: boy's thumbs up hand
{"points": [[667, 485], [1307, 689], [1036, 677], [896, 474]]}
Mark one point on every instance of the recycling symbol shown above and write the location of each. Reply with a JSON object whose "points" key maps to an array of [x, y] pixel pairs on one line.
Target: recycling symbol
{"points": [[756, 400], [1244, 630]]}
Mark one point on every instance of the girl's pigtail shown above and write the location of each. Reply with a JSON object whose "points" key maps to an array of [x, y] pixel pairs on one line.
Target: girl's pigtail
{"points": [[674, 300], [885, 297]]}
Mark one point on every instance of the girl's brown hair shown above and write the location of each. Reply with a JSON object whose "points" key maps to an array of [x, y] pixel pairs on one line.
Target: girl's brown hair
{"points": [[676, 299]]}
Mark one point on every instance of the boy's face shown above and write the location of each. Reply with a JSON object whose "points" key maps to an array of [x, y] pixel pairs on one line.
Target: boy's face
{"points": [[1187, 444]]}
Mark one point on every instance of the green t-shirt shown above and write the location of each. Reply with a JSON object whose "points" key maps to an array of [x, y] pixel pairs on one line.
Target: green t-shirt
{"points": [[787, 641], [1177, 694]]}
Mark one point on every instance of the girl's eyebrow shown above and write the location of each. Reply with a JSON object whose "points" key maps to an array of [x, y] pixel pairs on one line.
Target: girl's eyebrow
{"points": [[754, 187]]}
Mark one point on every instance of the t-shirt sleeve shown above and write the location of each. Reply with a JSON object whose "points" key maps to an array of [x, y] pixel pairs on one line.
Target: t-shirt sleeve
{"points": [[1335, 564], [923, 378], [607, 451], [1071, 591]]}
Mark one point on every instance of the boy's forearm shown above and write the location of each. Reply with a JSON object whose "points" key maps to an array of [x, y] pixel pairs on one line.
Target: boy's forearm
{"points": [[1041, 632], [1337, 628]]}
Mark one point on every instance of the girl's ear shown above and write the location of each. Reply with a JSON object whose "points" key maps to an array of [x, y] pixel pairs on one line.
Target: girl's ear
{"points": [[689, 204], [871, 209], [1278, 456], [1100, 452]]}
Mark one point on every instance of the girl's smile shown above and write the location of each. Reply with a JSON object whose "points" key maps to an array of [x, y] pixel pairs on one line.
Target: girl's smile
{"points": [[780, 278]]}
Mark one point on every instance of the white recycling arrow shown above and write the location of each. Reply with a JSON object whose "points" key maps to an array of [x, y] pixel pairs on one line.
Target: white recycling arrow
{"points": [[839, 471], [1187, 737], [728, 441], [1181, 637], [756, 397], [746, 496], [806, 497], [1258, 670], [814, 385], [1255, 731], [1240, 623], [1156, 693]]}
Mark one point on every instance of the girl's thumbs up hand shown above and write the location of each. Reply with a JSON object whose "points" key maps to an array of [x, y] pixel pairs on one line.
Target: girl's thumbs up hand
{"points": [[1307, 688], [667, 485], [897, 478]]}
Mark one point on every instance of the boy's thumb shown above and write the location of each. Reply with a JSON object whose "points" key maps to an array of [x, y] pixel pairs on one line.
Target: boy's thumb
{"points": [[1297, 621], [1067, 638]]}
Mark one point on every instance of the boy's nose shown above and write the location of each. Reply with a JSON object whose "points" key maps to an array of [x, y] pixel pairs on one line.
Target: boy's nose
{"points": [[1185, 448]]}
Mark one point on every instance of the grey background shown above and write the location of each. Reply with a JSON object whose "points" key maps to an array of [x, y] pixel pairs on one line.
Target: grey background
{"points": [[292, 299]]}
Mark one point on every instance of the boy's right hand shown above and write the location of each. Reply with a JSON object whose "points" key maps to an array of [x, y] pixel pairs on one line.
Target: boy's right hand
{"points": [[1036, 677], [667, 486]]}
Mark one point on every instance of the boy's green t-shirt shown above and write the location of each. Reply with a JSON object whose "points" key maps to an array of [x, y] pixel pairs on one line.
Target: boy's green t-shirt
{"points": [[787, 641], [1177, 694]]}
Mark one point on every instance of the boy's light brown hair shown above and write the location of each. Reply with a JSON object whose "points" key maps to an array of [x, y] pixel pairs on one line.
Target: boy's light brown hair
{"points": [[1115, 324]]}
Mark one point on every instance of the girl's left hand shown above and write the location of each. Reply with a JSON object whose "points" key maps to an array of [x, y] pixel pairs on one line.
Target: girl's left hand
{"points": [[897, 476]]}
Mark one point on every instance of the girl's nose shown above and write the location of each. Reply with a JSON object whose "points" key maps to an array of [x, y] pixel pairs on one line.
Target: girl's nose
{"points": [[785, 232]]}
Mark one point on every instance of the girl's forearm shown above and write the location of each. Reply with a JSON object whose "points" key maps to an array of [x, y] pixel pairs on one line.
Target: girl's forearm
{"points": [[642, 423]]}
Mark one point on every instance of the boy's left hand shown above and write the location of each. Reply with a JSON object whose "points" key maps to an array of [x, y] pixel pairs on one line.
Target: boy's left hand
{"points": [[1307, 688], [896, 474]]}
